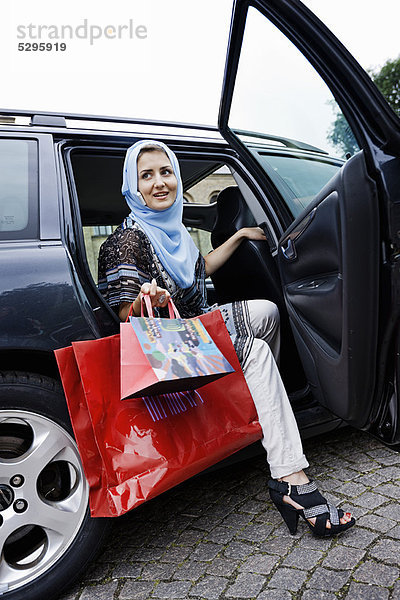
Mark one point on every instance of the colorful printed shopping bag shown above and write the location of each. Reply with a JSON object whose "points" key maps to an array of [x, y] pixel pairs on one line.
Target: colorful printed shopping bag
{"points": [[160, 356]]}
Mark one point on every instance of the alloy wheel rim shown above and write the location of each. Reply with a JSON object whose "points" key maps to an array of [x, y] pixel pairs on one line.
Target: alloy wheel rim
{"points": [[44, 496]]}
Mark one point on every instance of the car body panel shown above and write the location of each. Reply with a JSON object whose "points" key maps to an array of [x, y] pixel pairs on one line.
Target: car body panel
{"points": [[39, 304]]}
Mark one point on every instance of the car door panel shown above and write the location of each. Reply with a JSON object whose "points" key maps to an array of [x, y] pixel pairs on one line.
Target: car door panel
{"points": [[305, 231], [329, 281], [314, 287], [313, 299]]}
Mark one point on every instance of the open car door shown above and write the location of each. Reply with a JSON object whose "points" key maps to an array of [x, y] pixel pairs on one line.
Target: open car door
{"points": [[287, 75]]}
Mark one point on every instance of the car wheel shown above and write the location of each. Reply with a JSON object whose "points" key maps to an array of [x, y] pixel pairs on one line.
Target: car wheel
{"points": [[47, 537]]}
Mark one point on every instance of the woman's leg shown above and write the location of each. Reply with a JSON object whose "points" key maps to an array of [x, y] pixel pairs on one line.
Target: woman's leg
{"points": [[281, 438], [264, 323], [254, 328]]}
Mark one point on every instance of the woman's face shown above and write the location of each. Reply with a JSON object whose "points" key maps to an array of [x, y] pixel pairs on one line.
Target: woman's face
{"points": [[156, 180]]}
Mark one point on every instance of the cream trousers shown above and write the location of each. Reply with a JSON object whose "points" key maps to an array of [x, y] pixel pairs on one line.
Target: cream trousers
{"points": [[281, 438]]}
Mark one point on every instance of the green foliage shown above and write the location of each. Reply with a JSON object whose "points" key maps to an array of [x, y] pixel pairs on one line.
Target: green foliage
{"points": [[342, 136], [387, 79]]}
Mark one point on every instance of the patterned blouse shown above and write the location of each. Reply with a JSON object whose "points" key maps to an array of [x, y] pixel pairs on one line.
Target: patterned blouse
{"points": [[127, 260]]}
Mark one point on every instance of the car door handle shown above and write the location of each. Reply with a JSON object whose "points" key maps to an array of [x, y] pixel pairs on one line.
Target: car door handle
{"points": [[289, 251], [287, 245]]}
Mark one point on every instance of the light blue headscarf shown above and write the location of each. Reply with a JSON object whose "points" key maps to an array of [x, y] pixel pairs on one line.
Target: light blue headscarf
{"points": [[164, 228]]}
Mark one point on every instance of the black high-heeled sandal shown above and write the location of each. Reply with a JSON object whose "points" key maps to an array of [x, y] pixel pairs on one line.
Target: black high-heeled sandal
{"points": [[314, 505]]}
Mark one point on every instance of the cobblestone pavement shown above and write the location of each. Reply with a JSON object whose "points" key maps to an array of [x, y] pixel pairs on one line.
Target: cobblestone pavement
{"points": [[218, 537]]}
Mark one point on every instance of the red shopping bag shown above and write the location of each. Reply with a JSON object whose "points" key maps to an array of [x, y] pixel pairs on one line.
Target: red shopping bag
{"points": [[136, 449], [159, 355]]}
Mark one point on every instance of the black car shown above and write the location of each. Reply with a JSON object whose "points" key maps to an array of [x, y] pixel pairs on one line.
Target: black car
{"points": [[331, 262]]}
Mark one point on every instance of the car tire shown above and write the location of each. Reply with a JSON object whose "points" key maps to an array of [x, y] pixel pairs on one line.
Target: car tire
{"points": [[47, 537]]}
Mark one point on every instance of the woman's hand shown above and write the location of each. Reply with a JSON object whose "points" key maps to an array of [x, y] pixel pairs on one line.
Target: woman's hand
{"points": [[159, 296], [252, 233], [220, 255]]}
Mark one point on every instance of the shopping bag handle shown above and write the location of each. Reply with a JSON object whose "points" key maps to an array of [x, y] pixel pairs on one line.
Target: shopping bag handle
{"points": [[173, 311], [146, 300]]}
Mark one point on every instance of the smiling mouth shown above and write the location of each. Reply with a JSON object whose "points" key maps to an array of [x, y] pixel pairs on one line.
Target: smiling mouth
{"points": [[160, 195]]}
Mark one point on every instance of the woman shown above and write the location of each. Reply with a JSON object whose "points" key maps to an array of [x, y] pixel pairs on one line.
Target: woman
{"points": [[152, 253]]}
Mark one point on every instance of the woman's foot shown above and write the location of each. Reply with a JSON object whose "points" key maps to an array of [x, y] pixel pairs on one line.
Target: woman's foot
{"points": [[343, 520], [295, 496], [300, 478]]}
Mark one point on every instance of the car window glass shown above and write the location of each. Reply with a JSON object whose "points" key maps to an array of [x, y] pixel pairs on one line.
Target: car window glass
{"points": [[280, 101], [18, 189], [93, 237], [298, 178]]}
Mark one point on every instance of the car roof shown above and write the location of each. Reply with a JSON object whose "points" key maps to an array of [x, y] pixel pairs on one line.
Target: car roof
{"points": [[124, 128]]}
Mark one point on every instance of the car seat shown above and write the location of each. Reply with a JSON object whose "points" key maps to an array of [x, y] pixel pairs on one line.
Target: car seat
{"points": [[251, 271]]}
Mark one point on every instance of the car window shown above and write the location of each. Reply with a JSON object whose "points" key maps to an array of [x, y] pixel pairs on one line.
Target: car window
{"points": [[282, 100], [297, 178], [18, 189], [93, 237]]}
